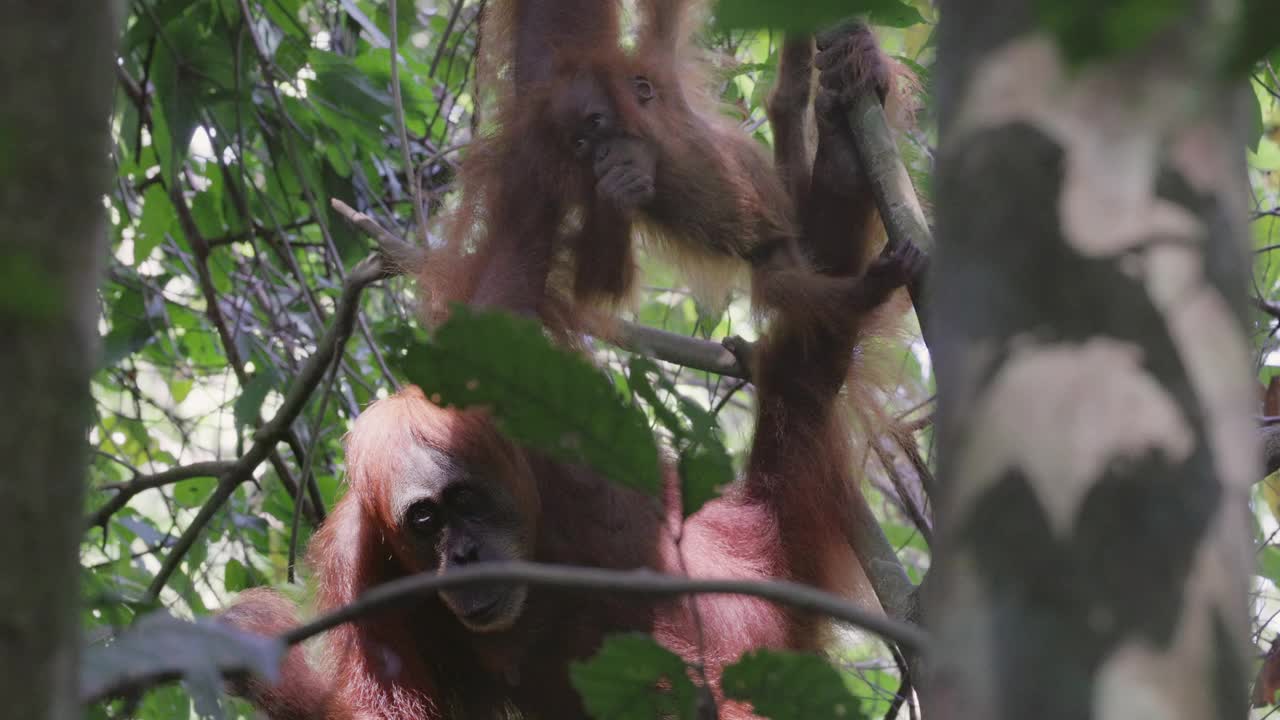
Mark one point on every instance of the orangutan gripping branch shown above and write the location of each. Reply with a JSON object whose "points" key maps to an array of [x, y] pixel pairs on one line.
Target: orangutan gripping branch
{"points": [[432, 488], [598, 145]]}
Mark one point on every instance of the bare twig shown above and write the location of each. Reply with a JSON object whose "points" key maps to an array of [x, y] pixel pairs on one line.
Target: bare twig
{"points": [[660, 344], [679, 349], [369, 270], [309, 462], [410, 172], [126, 491], [914, 511], [641, 582]]}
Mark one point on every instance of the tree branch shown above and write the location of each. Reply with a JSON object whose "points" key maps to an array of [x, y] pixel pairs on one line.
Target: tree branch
{"points": [[369, 270], [667, 346], [636, 582], [140, 483], [397, 105], [900, 211]]}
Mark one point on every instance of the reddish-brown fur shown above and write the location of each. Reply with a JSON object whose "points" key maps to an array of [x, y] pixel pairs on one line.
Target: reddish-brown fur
{"points": [[789, 518], [717, 201]]}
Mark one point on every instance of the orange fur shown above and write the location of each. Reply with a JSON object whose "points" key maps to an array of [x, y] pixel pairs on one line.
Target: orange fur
{"points": [[520, 241]]}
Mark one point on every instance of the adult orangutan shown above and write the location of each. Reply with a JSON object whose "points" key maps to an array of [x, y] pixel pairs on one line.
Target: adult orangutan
{"points": [[434, 488]]}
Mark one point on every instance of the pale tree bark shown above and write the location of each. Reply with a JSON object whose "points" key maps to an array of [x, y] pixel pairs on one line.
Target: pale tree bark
{"points": [[1095, 445], [55, 92]]}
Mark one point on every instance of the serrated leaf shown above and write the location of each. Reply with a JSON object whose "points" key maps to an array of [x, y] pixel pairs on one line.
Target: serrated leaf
{"points": [[791, 686], [540, 395], [160, 646], [622, 681]]}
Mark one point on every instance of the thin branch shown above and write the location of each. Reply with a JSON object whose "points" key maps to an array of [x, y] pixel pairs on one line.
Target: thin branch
{"points": [[309, 461], [900, 211], [636, 582], [914, 511], [213, 307], [410, 172], [444, 38], [680, 349], [126, 491], [1268, 307], [879, 559], [369, 270], [670, 347]]}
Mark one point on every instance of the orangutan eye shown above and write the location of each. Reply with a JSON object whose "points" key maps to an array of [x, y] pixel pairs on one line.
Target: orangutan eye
{"points": [[644, 88], [423, 517]]}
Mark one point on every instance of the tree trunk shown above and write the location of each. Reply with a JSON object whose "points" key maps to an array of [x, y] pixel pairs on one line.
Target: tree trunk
{"points": [[1095, 440], [55, 93]]}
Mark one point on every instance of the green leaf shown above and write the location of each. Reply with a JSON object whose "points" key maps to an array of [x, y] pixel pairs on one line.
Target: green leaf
{"points": [[193, 493], [347, 91], [791, 686], [178, 107], [705, 466], [545, 397], [1257, 126], [291, 55], [237, 578], [812, 15], [1269, 564], [622, 681], [133, 323], [160, 645], [157, 218], [405, 18], [704, 474], [249, 404]]}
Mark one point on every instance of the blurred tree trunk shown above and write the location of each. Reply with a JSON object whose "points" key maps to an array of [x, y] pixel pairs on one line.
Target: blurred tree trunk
{"points": [[55, 93], [1095, 391]]}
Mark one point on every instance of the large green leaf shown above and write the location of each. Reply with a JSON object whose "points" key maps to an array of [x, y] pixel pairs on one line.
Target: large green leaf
{"points": [[623, 681], [541, 395], [791, 686]]}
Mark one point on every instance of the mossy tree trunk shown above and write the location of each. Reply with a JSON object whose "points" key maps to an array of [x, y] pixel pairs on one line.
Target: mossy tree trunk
{"points": [[55, 92]]}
